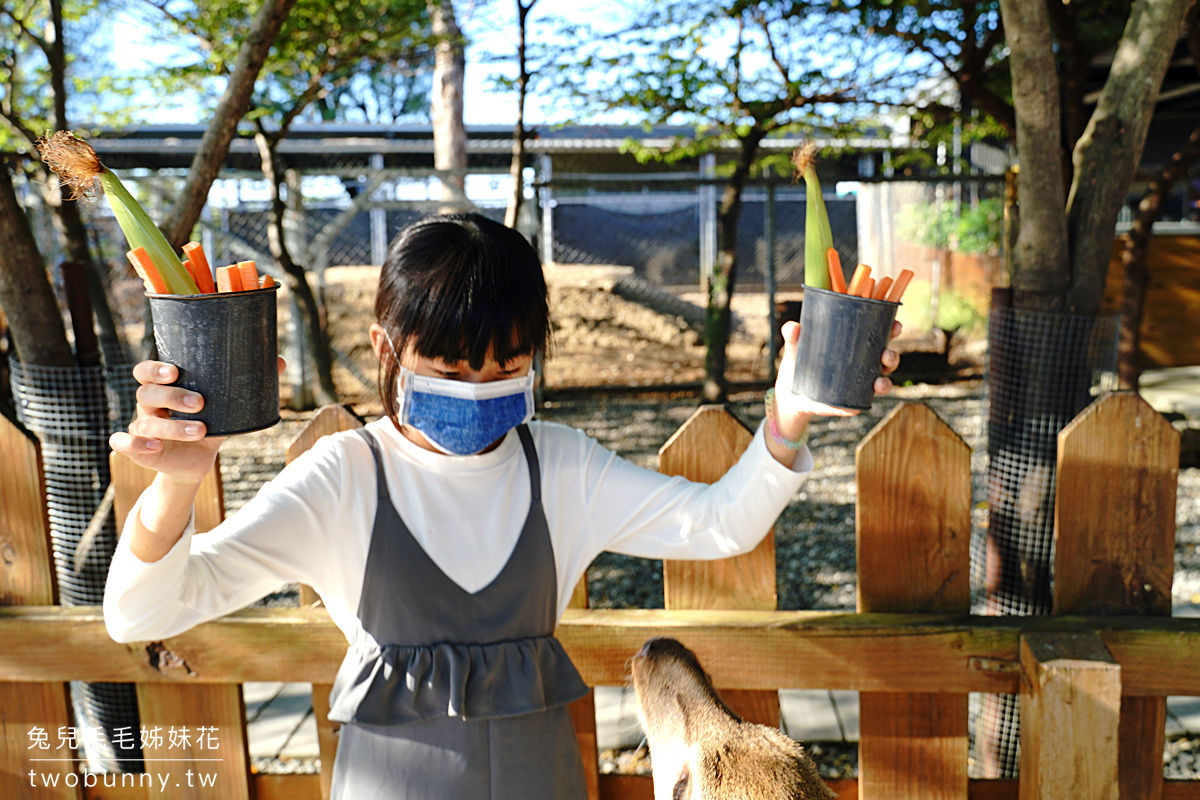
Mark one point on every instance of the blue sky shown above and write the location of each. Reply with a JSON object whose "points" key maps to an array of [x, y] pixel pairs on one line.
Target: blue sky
{"points": [[490, 26]]}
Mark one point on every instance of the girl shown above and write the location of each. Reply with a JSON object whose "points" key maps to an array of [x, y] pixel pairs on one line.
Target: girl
{"points": [[444, 538]]}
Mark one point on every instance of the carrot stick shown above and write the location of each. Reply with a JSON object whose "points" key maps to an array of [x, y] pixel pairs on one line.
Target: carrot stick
{"points": [[837, 279], [867, 287], [198, 264], [267, 282], [881, 288], [144, 266], [191, 270], [860, 276], [249, 275], [900, 285], [229, 279]]}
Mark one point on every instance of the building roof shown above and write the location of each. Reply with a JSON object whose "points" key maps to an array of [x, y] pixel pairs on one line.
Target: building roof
{"points": [[334, 147]]}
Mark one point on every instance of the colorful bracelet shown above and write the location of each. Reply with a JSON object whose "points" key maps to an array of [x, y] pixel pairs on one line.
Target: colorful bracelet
{"points": [[791, 444]]}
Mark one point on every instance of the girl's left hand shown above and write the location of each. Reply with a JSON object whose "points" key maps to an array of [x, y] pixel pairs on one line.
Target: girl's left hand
{"points": [[793, 411]]}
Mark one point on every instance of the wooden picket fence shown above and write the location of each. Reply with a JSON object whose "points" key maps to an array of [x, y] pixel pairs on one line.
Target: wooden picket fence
{"points": [[1093, 679]]}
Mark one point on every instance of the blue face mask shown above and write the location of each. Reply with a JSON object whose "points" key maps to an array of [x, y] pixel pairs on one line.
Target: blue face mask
{"points": [[459, 417]]}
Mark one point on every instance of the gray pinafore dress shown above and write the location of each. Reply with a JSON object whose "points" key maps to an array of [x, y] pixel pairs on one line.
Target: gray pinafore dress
{"points": [[465, 694]]}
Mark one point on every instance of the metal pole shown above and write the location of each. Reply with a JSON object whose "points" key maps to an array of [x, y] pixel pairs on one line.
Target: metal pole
{"points": [[707, 196], [545, 175], [378, 218], [772, 320]]}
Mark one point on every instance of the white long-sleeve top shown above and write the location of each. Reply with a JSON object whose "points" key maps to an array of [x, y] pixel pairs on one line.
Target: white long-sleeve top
{"points": [[312, 523]]}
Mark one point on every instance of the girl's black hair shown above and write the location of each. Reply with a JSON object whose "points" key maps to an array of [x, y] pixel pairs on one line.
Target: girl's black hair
{"points": [[454, 286]]}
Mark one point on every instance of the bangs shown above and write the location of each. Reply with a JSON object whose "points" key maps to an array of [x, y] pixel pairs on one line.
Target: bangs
{"points": [[462, 321]]}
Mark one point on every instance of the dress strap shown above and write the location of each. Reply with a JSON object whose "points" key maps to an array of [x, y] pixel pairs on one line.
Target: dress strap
{"points": [[531, 459], [381, 489]]}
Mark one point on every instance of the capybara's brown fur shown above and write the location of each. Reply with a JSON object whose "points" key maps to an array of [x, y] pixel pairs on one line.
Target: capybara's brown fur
{"points": [[701, 750]]}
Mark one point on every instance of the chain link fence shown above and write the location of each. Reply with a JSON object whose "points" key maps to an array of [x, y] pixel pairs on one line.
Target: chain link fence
{"points": [[668, 233]]}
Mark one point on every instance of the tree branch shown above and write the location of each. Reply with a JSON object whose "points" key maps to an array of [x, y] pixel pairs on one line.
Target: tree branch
{"points": [[766, 28], [214, 145], [182, 23], [42, 43]]}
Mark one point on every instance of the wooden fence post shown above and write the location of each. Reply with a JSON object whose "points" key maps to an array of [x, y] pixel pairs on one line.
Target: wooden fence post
{"points": [[328, 419], [583, 715], [913, 482], [220, 751], [1118, 469], [1069, 717], [703, 449], [27, 578]]}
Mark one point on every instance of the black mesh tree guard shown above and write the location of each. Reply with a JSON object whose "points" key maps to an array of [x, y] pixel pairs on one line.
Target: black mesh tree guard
{"points": [[1043, 369], [72, 411]]}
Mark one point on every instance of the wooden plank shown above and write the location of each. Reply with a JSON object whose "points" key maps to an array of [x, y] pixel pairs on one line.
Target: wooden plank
{"points": [[27, 578], [287, 787], [217, 706], [202, 743], [913, 544], [626, 787], [131, 480], [1172, 299], [328, 419], [327, 737], [583, 714], [838, 650], [913, 523], [702, 450], [1070, 715], [637, 787], [28, 712], [1118, 468]]}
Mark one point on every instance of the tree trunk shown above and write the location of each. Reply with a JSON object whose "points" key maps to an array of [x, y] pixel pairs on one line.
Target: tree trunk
{"points": [[1108, 153], [33, 316], [317, 344], [446, 104], [73, 234], [512, 215], [1041, 259], [67, 220], [718, 316], [214, 145], [1133, 260]]}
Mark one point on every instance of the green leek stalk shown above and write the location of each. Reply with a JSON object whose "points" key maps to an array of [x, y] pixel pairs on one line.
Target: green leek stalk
{"points": [[140, 231], [76, 164], [818, 236]]}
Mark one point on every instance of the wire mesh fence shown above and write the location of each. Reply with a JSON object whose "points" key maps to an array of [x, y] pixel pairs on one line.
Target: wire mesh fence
{"points": [[72, 411], [1043, 369]]}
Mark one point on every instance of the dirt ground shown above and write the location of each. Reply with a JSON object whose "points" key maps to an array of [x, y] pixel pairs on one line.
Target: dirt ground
{"points": [[600, 339]]}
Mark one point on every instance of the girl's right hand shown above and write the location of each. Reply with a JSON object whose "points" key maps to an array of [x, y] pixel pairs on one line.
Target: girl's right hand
{"points": [[176, 448]]}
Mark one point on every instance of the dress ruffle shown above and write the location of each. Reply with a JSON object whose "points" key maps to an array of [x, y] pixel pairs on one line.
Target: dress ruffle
{"points": [[400, 684]]}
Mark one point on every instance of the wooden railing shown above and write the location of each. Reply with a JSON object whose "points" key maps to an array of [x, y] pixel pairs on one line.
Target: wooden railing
{"points": [[1093, 678]]}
